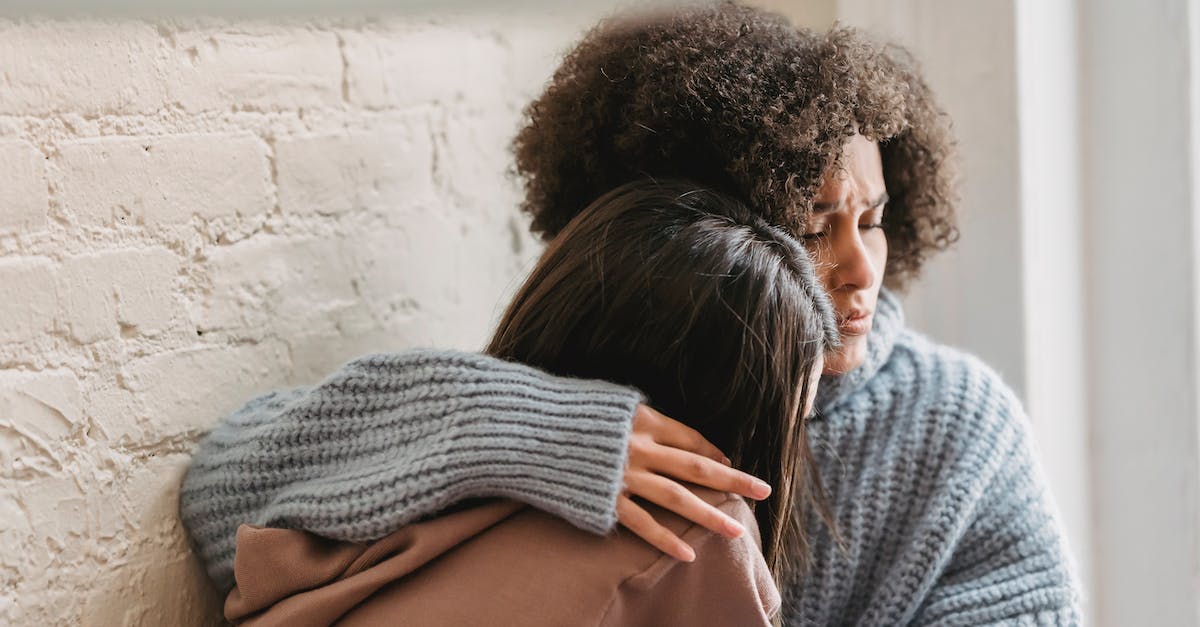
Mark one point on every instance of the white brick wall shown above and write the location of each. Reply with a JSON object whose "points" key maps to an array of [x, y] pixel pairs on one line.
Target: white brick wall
{"points": [[345, 171], [23, 194], [193, 211], [164, 179]]}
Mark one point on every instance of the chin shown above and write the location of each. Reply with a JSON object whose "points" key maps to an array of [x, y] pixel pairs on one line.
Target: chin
{"points": [[851, 355]]}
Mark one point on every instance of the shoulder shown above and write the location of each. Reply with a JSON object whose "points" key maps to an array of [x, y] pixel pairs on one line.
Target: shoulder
{"points": [[940, 382], [981, 460], [726, 563], [948, 374], [944, 412], [548, 572], [698, 537], [728, 584]]}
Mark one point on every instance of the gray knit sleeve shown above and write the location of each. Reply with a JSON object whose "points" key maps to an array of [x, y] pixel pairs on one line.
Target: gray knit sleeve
{"points": [[391, 438], [1011, 565]]}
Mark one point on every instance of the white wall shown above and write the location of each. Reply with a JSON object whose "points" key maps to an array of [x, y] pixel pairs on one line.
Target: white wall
{"points": [[192, 211], [1140, 176], [1051, 210]]}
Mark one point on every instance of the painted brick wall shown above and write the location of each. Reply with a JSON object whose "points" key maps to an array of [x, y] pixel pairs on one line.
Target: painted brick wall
{"points": [[192, 211]]}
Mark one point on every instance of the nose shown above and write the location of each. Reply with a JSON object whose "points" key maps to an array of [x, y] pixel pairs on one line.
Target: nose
{"points": [[852, 265]]}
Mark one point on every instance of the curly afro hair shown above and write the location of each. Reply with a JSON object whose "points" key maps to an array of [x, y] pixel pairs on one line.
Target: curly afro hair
{"points": [[740, 100]]}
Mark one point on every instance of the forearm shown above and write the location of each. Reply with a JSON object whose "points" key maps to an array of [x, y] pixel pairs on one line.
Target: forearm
{"points": [[389, 439]]}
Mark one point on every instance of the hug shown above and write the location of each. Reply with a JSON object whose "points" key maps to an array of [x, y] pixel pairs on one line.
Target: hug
{"points": [[731, 206]]}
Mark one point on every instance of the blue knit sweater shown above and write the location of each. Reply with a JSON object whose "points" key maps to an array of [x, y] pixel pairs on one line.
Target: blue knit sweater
{"points": [[943, 511]]}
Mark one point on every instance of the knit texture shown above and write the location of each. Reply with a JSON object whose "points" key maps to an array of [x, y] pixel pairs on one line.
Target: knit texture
{"points": [[391, 438], [943, 511]]}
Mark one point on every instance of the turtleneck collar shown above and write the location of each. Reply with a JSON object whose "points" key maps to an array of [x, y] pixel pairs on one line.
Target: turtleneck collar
{"points": [[888, 323]]}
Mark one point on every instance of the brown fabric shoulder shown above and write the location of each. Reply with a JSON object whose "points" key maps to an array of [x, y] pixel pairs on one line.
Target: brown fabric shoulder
{"points": [[501, 563]]}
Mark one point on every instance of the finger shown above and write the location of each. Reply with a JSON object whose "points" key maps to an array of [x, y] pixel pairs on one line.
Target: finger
{"points": [[671, 432], [642, 524], [670, 495], [680, 464]]}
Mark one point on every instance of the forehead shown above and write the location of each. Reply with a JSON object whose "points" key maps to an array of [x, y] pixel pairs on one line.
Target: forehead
{"points": [[859, 171]]}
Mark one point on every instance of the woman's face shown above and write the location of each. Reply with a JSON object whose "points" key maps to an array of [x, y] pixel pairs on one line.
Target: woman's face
{"points": [[846, 239]]}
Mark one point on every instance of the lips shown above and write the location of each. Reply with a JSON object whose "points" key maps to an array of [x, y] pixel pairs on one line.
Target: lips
{"points": [[855, 322]]}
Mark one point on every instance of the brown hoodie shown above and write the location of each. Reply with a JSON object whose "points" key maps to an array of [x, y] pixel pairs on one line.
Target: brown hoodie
{"points": [[501, 563]]}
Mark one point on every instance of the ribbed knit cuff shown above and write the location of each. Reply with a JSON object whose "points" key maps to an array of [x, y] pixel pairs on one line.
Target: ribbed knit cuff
{"points": [[478, 427], [557, 443]]}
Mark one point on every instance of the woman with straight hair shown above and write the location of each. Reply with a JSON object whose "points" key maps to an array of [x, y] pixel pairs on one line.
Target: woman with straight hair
{"points": [[676, 291]]}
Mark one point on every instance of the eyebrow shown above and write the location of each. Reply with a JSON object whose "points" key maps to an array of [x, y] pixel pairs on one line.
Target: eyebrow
{"points": [[825, 207]]}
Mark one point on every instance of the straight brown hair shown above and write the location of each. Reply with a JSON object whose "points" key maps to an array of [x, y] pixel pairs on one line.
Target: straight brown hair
{"points": [[714, 314]]}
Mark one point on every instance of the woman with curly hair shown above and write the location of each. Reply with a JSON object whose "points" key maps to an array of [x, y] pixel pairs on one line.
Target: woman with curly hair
{"points": [[940, 512]]}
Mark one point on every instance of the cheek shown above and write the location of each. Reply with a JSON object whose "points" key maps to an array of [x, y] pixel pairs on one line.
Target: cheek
{"points": [[824, 264], [877, 247]]}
